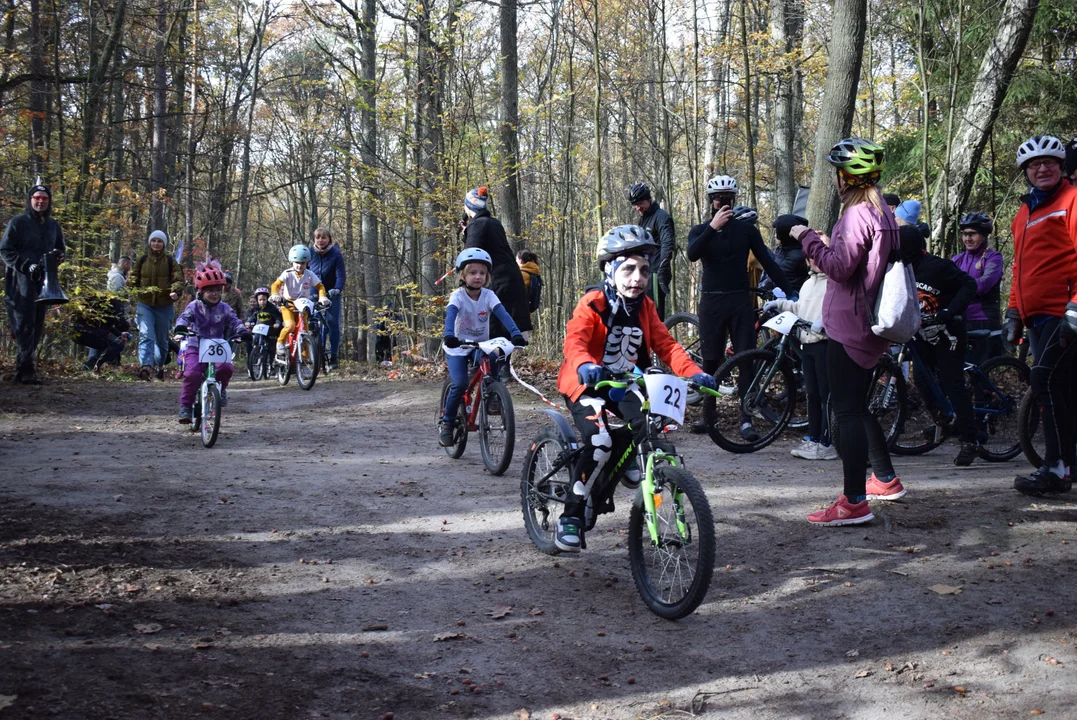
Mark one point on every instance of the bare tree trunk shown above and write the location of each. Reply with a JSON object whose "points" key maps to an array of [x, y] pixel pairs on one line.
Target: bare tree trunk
{"points": [[785, 22], [978, 118], [510, 122], [38, 91], [428, 125], [160, 125], [597, 118], [245, 177], [839, 105], [192, 139], [749, 136], [925, 116]]}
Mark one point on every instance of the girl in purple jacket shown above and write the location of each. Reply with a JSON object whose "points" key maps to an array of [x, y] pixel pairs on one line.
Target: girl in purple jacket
{"points": [[984, 265], [206, 317], [854, 264]]}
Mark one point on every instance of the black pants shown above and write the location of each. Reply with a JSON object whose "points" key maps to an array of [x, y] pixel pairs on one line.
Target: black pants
{"points": [[861, 436], [1053, 385], [109, 346], [817, 389], [27, 319], [722, 316], [590, 418], [949, 366]]}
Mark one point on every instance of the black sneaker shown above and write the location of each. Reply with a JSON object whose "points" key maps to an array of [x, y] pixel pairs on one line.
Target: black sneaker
{"points": [[445, 437], [748, 432], [160, 373], [569, 536], [185, 416], [224, 398], [969, 452], [332, 363], [1042, 482], [699, 427]]}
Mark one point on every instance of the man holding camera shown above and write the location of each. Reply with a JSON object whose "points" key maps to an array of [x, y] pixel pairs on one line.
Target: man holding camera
{"points": [[28, 237], [725, 306]]}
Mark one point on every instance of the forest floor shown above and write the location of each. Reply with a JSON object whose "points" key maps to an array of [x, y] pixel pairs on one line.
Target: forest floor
{"points": [[327, 560]]}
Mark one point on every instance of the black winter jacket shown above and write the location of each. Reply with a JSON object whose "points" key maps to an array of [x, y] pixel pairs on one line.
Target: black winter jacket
{"points": [[26, 240], [659, 224], [487, 233], [794, 264]]}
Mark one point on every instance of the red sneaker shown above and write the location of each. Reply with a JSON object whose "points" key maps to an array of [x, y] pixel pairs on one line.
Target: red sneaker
{"points": [[842, 512], [878, 490]]}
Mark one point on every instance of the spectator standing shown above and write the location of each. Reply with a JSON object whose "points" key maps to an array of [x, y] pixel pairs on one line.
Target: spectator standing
{"points": [[984, 265], [659, 224], [327, 263], [159, 279], [486, 233]]}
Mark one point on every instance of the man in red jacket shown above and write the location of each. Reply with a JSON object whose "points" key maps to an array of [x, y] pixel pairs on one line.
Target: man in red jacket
{"points": [[1043, 298], [612, 330]]}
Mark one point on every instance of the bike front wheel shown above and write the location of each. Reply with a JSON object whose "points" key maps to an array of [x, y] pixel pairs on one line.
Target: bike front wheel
{"points": [[919, 432], [497, 428], [306, 362], [996, 403], [211, 414], [544, 487], [673, 567], [769, 397]]}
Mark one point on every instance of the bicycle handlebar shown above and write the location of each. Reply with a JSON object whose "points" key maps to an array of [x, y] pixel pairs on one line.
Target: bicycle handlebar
{"points": [[638, 380]]}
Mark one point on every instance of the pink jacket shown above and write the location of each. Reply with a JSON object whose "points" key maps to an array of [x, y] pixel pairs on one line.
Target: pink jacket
{"points": [[854, 264]]}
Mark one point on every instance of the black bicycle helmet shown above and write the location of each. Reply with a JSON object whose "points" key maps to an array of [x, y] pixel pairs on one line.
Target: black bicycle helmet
{"points": [[978, 221], [638, 192]]}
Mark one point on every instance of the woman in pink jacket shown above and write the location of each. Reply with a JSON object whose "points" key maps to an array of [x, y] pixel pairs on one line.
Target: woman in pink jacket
{"points": [[854, 264]]}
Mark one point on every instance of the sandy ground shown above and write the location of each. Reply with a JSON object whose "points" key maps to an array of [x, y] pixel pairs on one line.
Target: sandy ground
{"points": [[326, 559]]}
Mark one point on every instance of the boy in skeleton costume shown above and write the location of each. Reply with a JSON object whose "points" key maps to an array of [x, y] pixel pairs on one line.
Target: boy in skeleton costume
{"points": [[612, 330]]}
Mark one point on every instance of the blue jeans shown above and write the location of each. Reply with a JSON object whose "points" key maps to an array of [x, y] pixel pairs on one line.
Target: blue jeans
{"points": [[458, 375], [153, 325], [332, 322]]}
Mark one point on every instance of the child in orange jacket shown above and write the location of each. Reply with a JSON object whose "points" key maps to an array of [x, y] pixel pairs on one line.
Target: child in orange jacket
{"points": [[612, 330]]}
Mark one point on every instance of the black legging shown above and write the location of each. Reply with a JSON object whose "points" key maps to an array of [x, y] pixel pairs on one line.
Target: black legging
{"points": [[723, 315], [859, 433], [949, 366], [1052, 382], [817, 389]]}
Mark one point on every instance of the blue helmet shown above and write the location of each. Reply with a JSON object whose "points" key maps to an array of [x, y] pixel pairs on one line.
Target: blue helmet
{"points": [[299, 253]]}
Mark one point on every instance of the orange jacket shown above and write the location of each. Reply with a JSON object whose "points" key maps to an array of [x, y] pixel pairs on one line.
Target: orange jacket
{"points": [[585, 342], [1045, 256]]}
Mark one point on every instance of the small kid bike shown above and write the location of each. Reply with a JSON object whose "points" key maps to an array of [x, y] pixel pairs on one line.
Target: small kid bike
{"points": [[671, 542], [206, 413], [302, 347], [486, 407]]}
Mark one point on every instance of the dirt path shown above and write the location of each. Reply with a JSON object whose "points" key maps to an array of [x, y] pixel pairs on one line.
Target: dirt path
{"points": [[307, 565]]}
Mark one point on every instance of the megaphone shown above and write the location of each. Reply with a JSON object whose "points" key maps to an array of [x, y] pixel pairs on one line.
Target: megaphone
{"points": [[51, 294]]}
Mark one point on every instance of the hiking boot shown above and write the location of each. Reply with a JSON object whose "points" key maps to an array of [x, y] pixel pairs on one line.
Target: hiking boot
{"points": [[331, 364], [876, 489], [569, 536], [29, 378], [1042, 482], [160, 373], [969, 452], [748, 432], [145, 372], [185, 415], [445, 437], [224, 398], [842, 512]]}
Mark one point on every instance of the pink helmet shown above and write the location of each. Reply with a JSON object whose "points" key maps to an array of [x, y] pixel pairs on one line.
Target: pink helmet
{"points": [[209, 276]]}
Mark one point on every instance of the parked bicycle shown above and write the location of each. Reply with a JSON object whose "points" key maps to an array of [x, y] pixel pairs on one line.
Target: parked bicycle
{"points": [[206, 412], [671, 542], [486, 407], [302, 347]]}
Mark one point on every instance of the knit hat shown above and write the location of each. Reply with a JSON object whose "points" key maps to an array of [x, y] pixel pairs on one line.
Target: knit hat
{"points": [[783, 224], [912, 243], [36, 189], [908, 211], [475, 200], [158, 235], [891, 199]]}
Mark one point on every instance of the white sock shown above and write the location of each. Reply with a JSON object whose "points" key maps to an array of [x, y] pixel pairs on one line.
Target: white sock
{"points": [[1060, 469]]}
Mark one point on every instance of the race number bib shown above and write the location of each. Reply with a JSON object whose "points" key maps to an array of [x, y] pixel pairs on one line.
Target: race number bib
{"points": [[214, 350], [783, 323], [261, 329], [667, 394]]}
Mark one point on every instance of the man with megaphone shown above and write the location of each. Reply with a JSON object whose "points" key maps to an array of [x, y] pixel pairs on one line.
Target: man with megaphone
{"points": [[29, 237]]}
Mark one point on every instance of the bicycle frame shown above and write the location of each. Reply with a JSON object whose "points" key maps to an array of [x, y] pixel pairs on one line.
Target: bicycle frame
{"points": [[301, 328], [482, 371], [943, 408]]}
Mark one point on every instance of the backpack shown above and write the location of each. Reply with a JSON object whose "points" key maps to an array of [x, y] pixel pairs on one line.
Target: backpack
{"points": [[534, 293], [897, 308]]}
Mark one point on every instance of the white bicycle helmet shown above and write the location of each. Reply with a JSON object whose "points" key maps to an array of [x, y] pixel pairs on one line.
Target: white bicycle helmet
{"points": [[470, 255], [623, 239], [299, 253], [1041, 146], [721, 184]]}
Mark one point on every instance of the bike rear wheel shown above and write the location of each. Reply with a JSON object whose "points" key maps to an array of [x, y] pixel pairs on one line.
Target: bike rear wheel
{"points": [[672, 575], [768, 402], [306, 362], [886, 402], [918, 432], [997, 406], [1030, 431], [284, 370], [460, 430], [211, 414], [497, 428], [543, 498]]}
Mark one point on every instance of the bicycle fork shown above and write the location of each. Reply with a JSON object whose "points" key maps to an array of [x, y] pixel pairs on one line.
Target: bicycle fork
{"points": [[653, 500]]}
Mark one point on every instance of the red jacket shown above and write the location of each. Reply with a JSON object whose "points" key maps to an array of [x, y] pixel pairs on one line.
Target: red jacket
{"points": [[585, 341], [1045, 255]]}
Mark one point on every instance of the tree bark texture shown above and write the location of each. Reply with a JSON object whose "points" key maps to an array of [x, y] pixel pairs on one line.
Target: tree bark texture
{"points": [[510, 121]]}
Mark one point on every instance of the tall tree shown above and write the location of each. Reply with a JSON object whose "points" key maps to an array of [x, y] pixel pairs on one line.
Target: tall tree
{"points": [[158, 181], [510, 121], [786, 28]]}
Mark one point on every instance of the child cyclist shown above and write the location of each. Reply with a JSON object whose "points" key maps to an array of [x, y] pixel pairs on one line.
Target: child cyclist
{"points": [[467, 319], [207, 317], [261, 312], [294, 283], [612, 330]]}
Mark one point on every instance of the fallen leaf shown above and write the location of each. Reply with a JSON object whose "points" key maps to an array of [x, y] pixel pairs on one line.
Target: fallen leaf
{"points": [[131, 588], [7, 700], [945, 589], [960, 689], [536, 611], [422, 676], [375, 628], [153, 646], [1034, 712], [440, 637], [863, 674], [500, 611], [523, 714], [853, 653], [202, 645], [148, 628]]}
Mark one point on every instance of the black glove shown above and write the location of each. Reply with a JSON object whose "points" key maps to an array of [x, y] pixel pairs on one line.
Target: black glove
{"points": [[246, 336], [180, 330], [1014, 327], [36, 272], [519, 340], [451, 341], [1067, 329], [944, 316]]}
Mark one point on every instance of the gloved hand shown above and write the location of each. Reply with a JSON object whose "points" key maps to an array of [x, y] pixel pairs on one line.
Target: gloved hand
{"points": [[519, 340], [275, 299], [36, 272], [181, 330], [944, 316], [770, 305], [246, 336], [705, 380], [591, 374], [779, 293], [817, 326], [451, 341], [324, 302], [795, 297], [1014, 326], [1067, 329], [334, 292]]}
